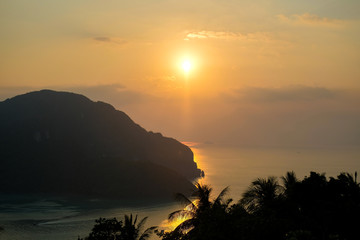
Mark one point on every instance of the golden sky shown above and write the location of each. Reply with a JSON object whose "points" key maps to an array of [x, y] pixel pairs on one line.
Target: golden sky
{"points": [[250, 60]]}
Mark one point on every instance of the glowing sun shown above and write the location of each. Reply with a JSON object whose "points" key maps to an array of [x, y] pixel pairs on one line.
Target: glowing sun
{"points": [[186, 66]]}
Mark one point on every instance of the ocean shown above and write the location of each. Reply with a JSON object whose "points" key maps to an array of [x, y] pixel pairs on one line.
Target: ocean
{"points": [[224, 166]]}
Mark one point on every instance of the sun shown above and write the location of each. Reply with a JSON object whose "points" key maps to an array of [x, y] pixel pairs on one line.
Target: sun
{"points": [[186, 66]]}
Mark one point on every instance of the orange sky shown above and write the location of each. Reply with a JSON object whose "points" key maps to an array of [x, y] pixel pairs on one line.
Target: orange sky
{"points": [[257, 66]]}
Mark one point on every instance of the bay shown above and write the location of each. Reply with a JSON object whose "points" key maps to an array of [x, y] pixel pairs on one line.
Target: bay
{"points": [[223, 165]]}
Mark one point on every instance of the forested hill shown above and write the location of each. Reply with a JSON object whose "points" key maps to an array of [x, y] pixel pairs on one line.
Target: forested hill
{"points": [[65, 143]]}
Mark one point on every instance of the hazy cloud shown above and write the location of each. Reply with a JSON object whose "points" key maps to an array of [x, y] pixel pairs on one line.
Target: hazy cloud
{"points": [[102, 39], [164, 83], [113, 40], [284, 94], [310, 19], [286, 116], [292, 116], [258, 36]]}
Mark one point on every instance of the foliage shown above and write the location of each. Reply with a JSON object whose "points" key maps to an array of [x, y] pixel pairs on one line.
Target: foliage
{"points": [[310, 209], [106, 229], [314, 208], [204, 216], [131, 231], [112, 229], [261, 195]]}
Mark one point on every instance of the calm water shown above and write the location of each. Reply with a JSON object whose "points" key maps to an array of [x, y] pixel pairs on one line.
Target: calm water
{"points": [[223, 166], [238, 167]]}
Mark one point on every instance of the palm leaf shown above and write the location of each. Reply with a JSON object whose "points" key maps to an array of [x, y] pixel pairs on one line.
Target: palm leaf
{"points": [[183, 199], [180, 213], [141, 223], [147, 233], [220, 197], [185, 225]]}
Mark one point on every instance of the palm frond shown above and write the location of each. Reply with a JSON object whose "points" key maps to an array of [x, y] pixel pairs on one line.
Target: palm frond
{"points": [[127, 219], [289, 179], [228, 201], [262, 191], [356, 177], [136, 217], [185, 226], [220, 197], [141, 223], [180, 213], [147, 233], [183, 199]]}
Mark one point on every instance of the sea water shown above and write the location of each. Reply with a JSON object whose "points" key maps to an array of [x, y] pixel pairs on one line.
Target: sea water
{"points": [[223, 166], [236, 168]]}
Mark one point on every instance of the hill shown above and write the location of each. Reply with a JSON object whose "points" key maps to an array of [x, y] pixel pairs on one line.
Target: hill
{"points": [[64, 143]]}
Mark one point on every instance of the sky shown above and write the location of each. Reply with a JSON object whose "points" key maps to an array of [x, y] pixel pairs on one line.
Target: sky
{"points": [[263, 73]]}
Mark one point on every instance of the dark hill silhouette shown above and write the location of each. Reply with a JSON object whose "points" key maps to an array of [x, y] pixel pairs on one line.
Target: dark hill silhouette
{"points": [[59, 142]]}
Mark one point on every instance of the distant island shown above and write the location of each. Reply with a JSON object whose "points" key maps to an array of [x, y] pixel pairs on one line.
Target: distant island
{"points": [[64, 144]]}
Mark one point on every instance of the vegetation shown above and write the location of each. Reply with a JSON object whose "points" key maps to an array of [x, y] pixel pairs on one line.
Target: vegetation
{"points": [[112, 229], [315, 208]]}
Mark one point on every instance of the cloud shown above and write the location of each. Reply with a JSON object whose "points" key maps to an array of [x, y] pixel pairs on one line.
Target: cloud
{"points": [[164, 83], [292, 116], [285, 94], [311, 20], [257, 36], [113, 40], [252, 116], [102, 39]]}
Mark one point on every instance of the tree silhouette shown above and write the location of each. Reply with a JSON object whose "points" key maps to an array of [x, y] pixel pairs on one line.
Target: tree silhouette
{"points": [[131, 231], [289, 181], [314, 208], [112, 229], [106, 229], [261, 195], [346, 205], [201, 214]]}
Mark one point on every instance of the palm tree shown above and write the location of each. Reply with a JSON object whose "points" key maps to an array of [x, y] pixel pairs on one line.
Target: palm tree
{"points": [[261, 194], [131, 231], [349, 179], [290, 206], [200, 209], [290, 181]]}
